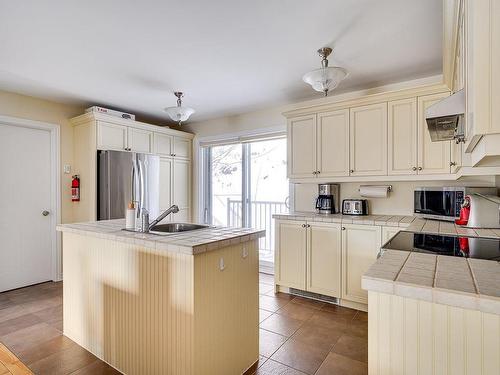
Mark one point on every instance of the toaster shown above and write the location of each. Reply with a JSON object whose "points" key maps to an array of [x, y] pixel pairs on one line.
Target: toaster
{"points": [[355, 207]]}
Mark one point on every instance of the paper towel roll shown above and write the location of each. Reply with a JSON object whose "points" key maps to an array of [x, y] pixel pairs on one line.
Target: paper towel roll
{"points": [[374, 191]]}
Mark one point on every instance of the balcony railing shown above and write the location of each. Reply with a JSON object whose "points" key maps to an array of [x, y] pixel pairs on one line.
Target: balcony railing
{"points": [[261, 217]]}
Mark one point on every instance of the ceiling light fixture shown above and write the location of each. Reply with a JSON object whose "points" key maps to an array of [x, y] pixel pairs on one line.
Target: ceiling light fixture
{"points": [[326, 78], [179, 113]]}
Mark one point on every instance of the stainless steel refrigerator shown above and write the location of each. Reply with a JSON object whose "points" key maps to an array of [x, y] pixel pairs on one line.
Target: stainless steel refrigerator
{"points": [[125, 177]]}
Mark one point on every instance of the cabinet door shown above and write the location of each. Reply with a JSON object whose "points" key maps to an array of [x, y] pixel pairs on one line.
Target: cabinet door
{"points": [[388, 233], [456, 157], [302, 146], [290, 256], [433, 157], [181, 183], [402, 137], [324, 259], [163, 144], [111, 136], [182, 147], [368, 140], [140, 140], [360, 246], [333, 143], [166, 168]]}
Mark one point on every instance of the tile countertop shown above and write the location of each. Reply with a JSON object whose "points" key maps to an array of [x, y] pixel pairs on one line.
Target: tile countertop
{"points": [[463, 282], [382, 220], [192, 242]]}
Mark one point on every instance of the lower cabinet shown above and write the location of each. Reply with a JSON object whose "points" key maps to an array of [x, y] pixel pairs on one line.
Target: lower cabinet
{"points": [[360, 246], [308, 256]]}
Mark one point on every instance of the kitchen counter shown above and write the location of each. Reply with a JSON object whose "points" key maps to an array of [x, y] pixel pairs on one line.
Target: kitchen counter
{"points": [[463, 282], [382, 220], [184, 303], [191, 242]]}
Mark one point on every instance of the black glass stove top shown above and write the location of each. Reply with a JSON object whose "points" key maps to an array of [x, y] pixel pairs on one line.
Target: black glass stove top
{"points": [[459, 246]]}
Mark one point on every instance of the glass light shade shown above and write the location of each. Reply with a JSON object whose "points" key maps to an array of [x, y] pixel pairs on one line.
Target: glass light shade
{"points": [[325, 79], [179, 114]]}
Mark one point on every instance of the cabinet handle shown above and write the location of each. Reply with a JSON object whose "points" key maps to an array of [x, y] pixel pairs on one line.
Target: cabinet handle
{"points": [[419, 168], [452, 163], [351, 171], [343, 228], [318, 172], [303, 225], [414, 169]]}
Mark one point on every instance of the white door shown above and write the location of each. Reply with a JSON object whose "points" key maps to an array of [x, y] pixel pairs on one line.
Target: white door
{"points": [[301, 136], [333, 143], [139, 140], [360, 246], [402, 137], [368, 140], [324, 259], [25, 188], [433, 157]]}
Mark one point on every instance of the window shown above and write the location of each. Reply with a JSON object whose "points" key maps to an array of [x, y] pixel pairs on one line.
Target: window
{"points": [[244, 185]]}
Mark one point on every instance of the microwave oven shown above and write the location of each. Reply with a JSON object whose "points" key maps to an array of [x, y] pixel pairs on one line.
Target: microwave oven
{"points": [[443, 203]]}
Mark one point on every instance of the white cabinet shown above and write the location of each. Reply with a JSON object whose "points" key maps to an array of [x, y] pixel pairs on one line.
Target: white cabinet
{"points": [[402, 137], [182, 148], [388, 233], [123, 138], [175, 187], [333, 143], [139, 140], [368, 140], [290, 266], [433, 157], [163, 144], [302, 146], [111, 136], [324, 259], [360, 246]]}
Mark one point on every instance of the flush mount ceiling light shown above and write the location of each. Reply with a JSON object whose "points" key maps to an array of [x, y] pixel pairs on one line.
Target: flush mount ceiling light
{"points": [[179, 113], [326, 78]]}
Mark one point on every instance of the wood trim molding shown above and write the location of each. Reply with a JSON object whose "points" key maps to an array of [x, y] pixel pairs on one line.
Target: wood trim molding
{"points": [[451, 21]]}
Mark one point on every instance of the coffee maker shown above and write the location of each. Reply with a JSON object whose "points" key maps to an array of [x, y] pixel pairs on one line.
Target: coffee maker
{"points": [[328, 199]]}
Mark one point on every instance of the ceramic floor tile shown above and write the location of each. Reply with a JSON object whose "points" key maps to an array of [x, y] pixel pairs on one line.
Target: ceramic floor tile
{"points": [[281, 324], [336, 364], [263, 315], [271, 367], [308, 302], [318, 336], [269, 342], [330, 320], [271, 303], [301, 356], [297, 311], [352, 347]]}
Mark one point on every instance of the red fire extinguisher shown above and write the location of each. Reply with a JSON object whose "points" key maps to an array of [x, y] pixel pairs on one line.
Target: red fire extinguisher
{"points": [[75, 188]]}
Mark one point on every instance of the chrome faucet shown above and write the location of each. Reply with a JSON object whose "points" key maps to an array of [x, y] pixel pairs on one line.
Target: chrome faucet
{"points": [[174, 209]]}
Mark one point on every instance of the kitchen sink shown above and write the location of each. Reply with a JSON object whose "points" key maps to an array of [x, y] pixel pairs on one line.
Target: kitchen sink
{"points": [[170, 228]]}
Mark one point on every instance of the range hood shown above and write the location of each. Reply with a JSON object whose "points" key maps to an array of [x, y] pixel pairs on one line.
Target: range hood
{"points": [[445, 118]]}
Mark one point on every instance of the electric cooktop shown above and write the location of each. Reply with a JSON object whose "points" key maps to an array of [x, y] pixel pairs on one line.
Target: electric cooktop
{"points": [[459, 246]]}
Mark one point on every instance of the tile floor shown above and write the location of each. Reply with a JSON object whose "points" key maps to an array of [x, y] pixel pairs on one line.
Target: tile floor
{"points": [[297, 335], [300, 336]]}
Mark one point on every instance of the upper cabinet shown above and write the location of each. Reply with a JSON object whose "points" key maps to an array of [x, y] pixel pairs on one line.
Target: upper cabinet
{"points": [[402, 137], [433, 157], [167, 145], [332, 152], [368, 140], [139, 140], [111, 136], [302, 146], [182, 148]]}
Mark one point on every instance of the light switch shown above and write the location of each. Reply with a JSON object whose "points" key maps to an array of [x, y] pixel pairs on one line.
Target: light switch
{"points": [[67, 168]]}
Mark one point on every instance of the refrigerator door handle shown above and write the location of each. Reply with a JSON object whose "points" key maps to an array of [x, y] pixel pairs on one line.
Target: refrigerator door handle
{"points": [[141, 186]]}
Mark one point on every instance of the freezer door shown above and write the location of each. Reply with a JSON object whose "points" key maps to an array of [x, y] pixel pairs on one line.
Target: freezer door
{"points": [[117, 183]]}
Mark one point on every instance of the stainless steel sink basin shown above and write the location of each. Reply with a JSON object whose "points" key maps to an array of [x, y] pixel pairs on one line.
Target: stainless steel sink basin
{"points": [[171, 228]]}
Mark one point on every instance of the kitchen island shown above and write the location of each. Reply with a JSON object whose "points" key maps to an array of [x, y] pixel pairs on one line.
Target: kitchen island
{"points": [[434, 314], [184, 303]]}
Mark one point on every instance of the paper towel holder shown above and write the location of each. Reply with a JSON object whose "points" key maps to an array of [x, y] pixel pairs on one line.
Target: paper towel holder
{"points": [[387, 188]]}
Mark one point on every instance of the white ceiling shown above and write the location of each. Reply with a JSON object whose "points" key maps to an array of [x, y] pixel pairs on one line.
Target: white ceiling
{"points": [[228, 56]]}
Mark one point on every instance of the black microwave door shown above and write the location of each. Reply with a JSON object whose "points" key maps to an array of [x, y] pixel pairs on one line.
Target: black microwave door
{"points": [[440, 203]]}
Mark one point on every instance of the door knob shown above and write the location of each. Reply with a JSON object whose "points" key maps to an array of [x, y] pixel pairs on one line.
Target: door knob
{"points": [[45, 213]]}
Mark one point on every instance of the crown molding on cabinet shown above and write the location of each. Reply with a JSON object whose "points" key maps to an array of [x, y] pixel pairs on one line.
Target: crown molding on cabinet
{"points": [[362, 98], [86, 117]]}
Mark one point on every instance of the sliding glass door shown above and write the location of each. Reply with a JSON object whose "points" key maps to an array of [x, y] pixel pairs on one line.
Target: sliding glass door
{"points": [[244, 185]]}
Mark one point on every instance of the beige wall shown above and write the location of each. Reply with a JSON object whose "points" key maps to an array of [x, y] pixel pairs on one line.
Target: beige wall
{"points": [[31, 108], [399, 201]]}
